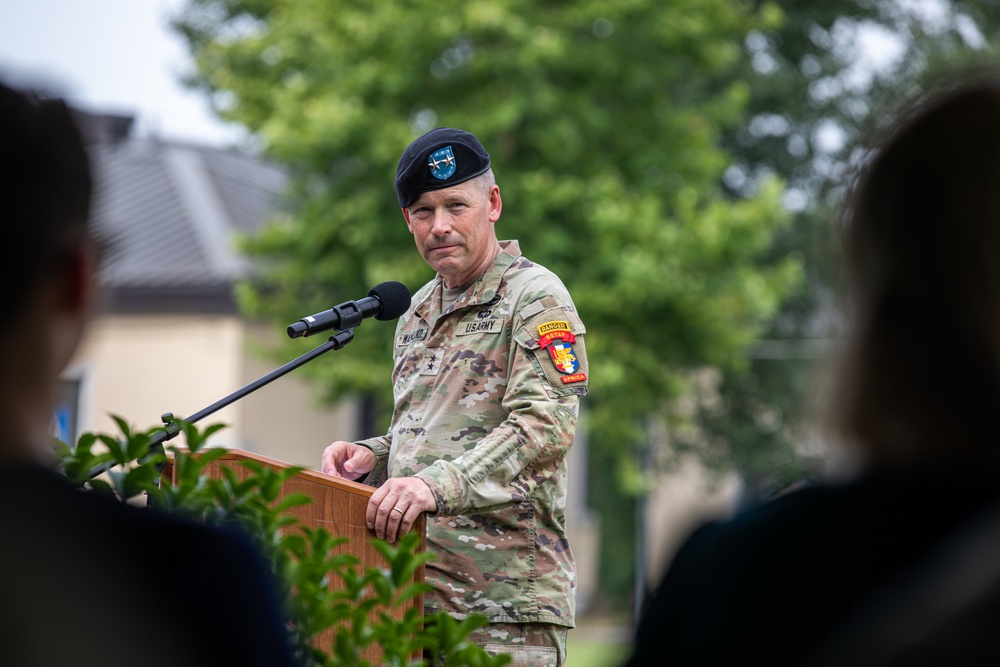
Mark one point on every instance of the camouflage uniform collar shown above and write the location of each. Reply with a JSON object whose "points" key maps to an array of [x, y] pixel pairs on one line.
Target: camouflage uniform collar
{"points": [[482, 290], [485, 287]]}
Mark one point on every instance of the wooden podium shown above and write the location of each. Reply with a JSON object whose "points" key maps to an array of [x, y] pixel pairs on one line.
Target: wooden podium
{"points": [[338, 506]]}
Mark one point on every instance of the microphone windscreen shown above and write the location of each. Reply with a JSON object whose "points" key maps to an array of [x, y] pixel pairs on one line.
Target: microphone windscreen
{"points": [[395, 298]]}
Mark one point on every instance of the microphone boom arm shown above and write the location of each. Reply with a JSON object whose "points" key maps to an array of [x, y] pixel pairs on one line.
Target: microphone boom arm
{"points": [[171, 428]]}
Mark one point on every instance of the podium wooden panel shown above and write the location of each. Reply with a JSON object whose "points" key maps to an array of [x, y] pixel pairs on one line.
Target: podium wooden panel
{"points": [[338, 506]]}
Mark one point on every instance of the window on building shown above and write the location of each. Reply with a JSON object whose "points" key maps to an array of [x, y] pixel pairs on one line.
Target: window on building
{"points": [[66, 418]]}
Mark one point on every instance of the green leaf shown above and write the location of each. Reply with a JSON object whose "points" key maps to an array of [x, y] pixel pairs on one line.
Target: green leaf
{"points": [[137, 446], [123, 427], [85, 442], [411, 591], [138, 480], [101, 487]]}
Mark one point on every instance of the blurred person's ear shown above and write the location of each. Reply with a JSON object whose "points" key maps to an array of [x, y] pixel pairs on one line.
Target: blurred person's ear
{"points": [[80, 286], [74, 299]]}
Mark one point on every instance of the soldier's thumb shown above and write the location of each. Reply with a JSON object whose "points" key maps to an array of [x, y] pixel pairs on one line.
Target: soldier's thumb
{"points": [[355, 464]]}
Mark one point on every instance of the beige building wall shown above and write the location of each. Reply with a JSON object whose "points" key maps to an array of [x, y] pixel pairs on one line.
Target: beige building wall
{"points": [[682, 500], [140, 366], [285, 420]]}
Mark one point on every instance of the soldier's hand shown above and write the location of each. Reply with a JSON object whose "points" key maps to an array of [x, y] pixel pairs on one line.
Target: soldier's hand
{"points": [[396, 504], [347, 460]]}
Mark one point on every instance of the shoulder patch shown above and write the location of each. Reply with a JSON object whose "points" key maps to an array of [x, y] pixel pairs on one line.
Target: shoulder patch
{"points": [[557, 338]]}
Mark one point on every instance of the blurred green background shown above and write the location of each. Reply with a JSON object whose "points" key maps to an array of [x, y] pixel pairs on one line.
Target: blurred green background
{"points": [[677, 162]]}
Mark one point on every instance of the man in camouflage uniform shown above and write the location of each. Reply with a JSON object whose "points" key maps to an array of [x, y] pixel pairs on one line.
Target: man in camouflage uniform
{"points": [[489, 368]]}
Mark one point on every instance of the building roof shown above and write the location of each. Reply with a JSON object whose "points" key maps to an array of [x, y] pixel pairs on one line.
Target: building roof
{"points": [[170, 212]]}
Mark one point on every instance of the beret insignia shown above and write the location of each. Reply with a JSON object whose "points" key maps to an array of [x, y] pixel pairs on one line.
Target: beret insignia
{"points": [[442, 163]]}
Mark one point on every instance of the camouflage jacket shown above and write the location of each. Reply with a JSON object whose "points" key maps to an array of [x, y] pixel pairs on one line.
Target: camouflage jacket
{"points": [[486, 400]]}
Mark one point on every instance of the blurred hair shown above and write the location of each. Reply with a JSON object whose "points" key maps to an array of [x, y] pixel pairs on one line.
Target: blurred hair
{"points": [[485, 181], [921, 378], [45, 191]]}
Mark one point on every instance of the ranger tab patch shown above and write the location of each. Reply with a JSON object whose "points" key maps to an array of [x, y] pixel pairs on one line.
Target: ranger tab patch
{"points": [[558, 340]]}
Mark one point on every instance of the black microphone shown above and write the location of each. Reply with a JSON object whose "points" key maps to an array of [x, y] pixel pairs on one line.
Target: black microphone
{"points": [[385, 301]]}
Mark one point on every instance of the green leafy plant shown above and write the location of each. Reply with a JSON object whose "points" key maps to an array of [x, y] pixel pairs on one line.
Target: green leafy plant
{"points": [[371, 607]]}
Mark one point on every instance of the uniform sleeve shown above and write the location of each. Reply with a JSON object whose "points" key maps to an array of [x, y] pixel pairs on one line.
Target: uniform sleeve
{"points": [[380, 447], [541, 401]]}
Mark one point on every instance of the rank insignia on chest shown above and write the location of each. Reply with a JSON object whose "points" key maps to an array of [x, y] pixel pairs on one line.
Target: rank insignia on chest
{"points": [[558, 340]]}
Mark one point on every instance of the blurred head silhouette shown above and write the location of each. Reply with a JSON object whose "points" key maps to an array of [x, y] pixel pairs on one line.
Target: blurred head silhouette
{"points": [[46, 263], [921, 379]]}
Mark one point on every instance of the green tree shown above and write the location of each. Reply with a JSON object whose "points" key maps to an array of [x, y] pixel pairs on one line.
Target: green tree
{"points": [[820, 79], [604, 123]]}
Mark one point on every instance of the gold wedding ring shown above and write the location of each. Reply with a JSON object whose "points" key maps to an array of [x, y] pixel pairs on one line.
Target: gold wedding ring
{"points": [[396, 509]]}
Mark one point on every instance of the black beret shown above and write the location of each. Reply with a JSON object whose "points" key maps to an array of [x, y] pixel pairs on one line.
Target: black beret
{"points": [[440, 159]]}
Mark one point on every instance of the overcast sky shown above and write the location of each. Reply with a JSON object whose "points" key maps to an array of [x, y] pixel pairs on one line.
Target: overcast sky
{"points": [[120, 56], [108, 55]]}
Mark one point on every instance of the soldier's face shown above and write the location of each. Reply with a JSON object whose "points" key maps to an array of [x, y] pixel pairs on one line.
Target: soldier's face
{"points": [[453, 229]]}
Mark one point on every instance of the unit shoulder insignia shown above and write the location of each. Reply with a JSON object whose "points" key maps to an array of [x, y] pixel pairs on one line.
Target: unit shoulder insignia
{"points": [[557, 338]]}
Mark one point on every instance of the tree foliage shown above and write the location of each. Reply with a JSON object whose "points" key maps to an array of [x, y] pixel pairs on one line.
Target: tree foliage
{"points": [[821, 80], [603, 121], [675, 162]]}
